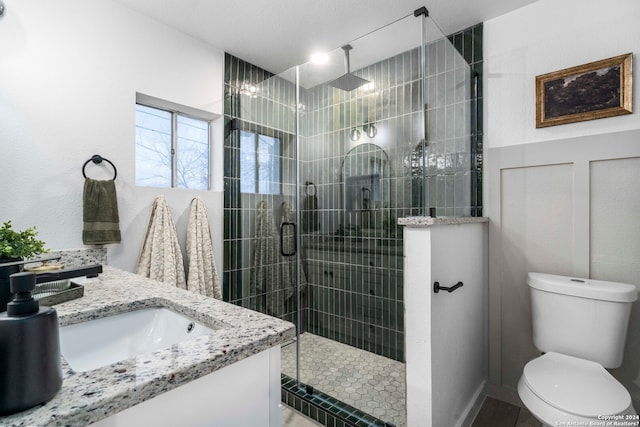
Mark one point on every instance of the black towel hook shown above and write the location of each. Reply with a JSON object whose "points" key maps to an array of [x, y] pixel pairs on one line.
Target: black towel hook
{"points": [[437, 288], [97, 159]]}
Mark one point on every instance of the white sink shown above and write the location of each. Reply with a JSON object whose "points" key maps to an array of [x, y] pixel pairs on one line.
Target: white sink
{"points": [[101, 342]]}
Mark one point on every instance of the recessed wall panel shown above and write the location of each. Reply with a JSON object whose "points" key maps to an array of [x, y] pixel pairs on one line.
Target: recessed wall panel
{"points": [[537, 234], [615, 246], [615, 220]]}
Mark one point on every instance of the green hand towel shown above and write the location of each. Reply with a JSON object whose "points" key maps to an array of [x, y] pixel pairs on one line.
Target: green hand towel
{"points": [[101, 223]]}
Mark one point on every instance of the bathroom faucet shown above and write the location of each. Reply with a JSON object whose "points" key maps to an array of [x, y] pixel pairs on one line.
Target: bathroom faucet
{"points": [[7, 269]]}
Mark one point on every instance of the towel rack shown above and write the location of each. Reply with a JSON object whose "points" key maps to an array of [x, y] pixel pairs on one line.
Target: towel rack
{"points": [[97, 159]]}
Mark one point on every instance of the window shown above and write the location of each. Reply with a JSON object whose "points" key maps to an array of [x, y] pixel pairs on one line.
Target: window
{"points": [[259, 163], [172, 148]]}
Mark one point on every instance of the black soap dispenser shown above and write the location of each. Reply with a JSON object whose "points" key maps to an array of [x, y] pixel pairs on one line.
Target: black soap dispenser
{"points": [[30, 368]]}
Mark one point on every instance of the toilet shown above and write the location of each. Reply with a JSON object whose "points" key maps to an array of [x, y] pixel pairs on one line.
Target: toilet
{"points": [[581, 326]]}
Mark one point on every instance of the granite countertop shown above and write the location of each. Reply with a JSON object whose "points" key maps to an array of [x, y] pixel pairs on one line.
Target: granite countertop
{"points": [[427, 221], [90, 396]]}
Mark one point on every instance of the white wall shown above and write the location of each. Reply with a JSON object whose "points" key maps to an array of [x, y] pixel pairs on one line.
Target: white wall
{"points": [[559, 199], [69, 73], [446, 333], [547, 36]]}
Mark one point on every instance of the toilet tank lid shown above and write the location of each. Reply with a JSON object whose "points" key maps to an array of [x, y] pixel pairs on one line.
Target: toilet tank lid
{"points": [[585, 288]]}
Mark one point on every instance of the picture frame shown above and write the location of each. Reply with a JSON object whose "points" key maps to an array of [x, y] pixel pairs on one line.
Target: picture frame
{"points": [[591, 91]]}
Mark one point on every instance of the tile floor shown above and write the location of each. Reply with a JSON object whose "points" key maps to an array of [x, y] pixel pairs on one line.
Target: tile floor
{"points": [[372, 383], [367, 381], [293, 418], [493, 413]]}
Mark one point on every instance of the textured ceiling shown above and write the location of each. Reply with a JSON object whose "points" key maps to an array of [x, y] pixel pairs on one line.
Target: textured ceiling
{"points": [[279, 34]]}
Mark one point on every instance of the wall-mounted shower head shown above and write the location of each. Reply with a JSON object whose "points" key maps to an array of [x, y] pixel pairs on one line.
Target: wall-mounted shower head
{"points": [[348, 81]]}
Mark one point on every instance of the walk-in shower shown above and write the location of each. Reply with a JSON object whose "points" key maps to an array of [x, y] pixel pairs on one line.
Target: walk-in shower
{"points": [[318, 168]]}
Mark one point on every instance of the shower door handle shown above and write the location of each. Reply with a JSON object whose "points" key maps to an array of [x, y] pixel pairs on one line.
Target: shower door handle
{"points": [[294, 245]]}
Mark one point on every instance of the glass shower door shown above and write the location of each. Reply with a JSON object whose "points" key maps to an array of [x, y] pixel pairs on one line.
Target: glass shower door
{"points": [[260, 190], [355, 145]]}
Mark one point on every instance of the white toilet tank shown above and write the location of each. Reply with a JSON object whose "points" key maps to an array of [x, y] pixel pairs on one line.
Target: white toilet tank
{"points": [[581, 317]]}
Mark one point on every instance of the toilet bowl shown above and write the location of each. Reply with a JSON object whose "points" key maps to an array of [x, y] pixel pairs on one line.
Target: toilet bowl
{"points": [[580, 325], [564, 390]]}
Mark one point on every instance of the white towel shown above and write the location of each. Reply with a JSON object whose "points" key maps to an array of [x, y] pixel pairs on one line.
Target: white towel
{"points": [[273, 276], [264, 262], [161, 257], [203, 276]]}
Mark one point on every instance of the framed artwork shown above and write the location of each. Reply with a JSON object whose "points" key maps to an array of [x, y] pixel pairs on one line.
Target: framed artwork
{"points": [[591, 91]]}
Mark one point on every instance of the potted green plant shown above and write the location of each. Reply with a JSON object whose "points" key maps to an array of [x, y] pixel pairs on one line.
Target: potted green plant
{"points": [[15, 246], [19, 244]]}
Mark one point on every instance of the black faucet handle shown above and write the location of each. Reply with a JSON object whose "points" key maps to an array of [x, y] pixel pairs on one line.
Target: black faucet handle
{"points": [[91, 270]]}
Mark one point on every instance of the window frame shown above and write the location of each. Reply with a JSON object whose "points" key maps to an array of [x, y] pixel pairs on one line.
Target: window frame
{"points": [[177, 110], [256, 133]]}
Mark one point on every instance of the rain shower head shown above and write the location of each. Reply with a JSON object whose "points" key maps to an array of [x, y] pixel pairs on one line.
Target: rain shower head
{"points": [[348, 81]]}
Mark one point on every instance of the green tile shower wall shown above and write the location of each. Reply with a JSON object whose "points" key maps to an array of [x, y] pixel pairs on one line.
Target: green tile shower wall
{"points": [[469, 43], [256, 101], [350, 297]]}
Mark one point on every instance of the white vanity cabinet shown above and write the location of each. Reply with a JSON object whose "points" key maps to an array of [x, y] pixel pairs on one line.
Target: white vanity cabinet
{"points": [[245, 393], [227, 377]]}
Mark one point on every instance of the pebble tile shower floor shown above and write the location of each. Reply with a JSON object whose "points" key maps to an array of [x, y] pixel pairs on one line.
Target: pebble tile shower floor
{"points": [[372, 383]]}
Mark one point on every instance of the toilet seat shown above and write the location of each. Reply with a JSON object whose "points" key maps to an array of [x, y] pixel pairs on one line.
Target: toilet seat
{"points": [[570, 388]]}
